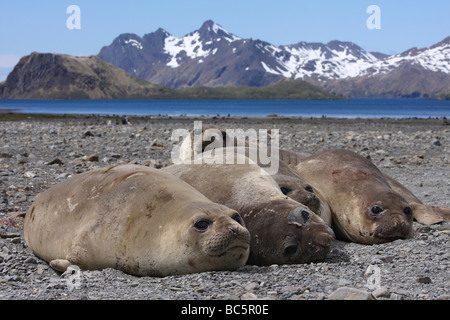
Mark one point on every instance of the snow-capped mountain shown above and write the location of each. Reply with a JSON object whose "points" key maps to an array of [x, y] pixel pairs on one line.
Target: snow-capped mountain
{"points": [[212, 56]]}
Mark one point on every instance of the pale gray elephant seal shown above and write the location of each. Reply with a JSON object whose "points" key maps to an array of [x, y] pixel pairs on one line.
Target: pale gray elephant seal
{"points": [[364, 207], [140, 220], [290, 183], [282, 230]]}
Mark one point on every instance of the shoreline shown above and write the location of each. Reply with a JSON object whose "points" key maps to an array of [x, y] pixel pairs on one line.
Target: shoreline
{"points": [[12, 115]]}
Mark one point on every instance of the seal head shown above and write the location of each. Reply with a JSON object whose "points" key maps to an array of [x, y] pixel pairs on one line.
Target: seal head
{"points": [[364, 207]]}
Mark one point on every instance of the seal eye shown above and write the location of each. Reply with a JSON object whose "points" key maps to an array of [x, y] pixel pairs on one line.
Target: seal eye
{"points": [[376, 210], [407, 211], [309, 189], [201, 225], [285, 190], [237, 218]]}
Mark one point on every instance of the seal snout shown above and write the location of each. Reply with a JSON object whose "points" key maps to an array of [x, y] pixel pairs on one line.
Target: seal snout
{"points": [[323, 240], [300, 216], [313, 240], [398, 227]]}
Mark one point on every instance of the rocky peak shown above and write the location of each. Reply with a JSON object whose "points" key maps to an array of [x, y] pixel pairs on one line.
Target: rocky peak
{"points": [[211, 31]]}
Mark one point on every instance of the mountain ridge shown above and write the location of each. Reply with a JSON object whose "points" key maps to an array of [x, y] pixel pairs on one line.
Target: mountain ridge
{"points": [[212, 56]]}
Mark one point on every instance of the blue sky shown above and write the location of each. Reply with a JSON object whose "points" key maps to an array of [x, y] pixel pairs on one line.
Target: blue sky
{"points": [[29, 25]]}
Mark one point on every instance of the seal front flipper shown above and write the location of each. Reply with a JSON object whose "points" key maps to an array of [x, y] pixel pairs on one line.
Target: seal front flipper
{"points": [[422, 213], [60, 264]]}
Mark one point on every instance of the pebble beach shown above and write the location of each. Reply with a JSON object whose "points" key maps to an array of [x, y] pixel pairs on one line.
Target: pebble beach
{"points": [[35, 154]]}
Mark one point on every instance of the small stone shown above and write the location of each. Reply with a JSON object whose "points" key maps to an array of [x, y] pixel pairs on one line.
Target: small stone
{"points": [[88, 134], [29, 174], [8, 235], [30, 260], [55, 161], [63, 175], [11, 278], [425, 280], [396, 296], [249, 296], [253, 286], [93, 157], [387, 259], [156, 144], [381, 292], [345, 293], [5, 155]]}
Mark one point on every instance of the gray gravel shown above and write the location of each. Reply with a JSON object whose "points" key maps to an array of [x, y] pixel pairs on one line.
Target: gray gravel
{"points": [[36, 154]]}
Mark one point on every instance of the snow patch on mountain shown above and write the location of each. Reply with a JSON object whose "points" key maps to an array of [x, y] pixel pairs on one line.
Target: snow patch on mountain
{"points": [[433, 59], [217, 29], [134, 43], [190, 45]]}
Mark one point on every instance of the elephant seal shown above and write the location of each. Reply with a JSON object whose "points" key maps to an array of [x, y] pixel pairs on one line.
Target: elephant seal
{"points": [[282, 230], [365, 209], [136, 219], [215, 137], [423, 214]]}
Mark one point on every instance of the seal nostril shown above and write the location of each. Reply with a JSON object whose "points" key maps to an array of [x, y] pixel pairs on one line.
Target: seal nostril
{"points": [[299, 216], [290, 246], [290, 250], [408, 211], [305, 215]]}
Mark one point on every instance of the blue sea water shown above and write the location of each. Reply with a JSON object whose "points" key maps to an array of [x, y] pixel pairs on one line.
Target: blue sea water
{"points": [[354, 108]]}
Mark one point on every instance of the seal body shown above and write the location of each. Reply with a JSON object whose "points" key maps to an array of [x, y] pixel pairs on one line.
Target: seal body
{"points": [[136, 219], [422, 213], [282, 230], [364, 207]]}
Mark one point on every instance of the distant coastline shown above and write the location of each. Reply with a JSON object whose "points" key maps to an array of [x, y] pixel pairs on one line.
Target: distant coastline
{"points": [[354, 108]]}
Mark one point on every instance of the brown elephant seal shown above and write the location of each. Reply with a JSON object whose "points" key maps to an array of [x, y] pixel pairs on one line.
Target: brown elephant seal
{"points": [[140, 220], [365, 209], [282, 230], [422, 213]]}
